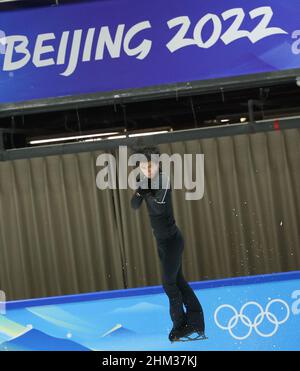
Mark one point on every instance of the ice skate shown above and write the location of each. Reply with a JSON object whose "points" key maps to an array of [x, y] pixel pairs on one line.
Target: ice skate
{"points": [[186, 333]]}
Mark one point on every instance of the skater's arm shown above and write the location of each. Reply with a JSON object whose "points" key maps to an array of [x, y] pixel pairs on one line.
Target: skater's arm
{"points": [[136, 200], [159, 197], [138, 197]]}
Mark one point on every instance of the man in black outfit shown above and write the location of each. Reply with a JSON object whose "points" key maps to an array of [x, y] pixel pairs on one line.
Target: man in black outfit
{"points": [[170, 246]]}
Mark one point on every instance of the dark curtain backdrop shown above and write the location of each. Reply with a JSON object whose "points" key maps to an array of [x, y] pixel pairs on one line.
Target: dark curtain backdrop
{"points": [[60, 234]]}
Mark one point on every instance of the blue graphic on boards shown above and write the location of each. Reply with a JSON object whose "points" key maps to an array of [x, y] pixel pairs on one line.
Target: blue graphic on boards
{"points": [[251, 313], [36, 340], [113, 45]]}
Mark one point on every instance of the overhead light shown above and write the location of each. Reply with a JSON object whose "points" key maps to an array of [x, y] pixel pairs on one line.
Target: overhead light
{"points": [[116, 137], [64, 139], [148, 133], [93, 140], [94, 137]]}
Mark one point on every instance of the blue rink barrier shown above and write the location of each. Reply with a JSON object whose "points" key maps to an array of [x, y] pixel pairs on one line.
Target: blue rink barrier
{"points": [[245, 313]]}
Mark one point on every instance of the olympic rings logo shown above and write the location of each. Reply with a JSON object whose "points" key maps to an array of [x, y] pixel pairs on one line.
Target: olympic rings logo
{"points": [[252, 324]]}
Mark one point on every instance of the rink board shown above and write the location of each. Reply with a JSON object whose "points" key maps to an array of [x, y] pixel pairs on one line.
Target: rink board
{"points": [[246, 313]]}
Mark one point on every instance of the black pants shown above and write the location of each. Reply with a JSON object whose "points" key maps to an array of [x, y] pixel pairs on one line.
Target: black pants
{"points": [[179, 292]]}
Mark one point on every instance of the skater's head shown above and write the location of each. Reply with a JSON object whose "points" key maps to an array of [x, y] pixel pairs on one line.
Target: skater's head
{"points": [[149, 163]]}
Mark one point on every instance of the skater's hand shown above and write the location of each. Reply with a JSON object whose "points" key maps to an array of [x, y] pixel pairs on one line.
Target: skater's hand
{"points": [[145, 186], [143, 192]]}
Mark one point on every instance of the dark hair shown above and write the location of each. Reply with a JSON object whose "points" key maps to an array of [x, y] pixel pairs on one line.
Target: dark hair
{"points": [[146, 151]]}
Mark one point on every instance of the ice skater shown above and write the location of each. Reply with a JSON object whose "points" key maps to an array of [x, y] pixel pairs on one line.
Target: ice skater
{"points": [[155, 189]]}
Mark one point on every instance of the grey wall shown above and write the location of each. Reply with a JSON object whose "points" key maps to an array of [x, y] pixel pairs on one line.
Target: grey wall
{"points": [[59, 234]]}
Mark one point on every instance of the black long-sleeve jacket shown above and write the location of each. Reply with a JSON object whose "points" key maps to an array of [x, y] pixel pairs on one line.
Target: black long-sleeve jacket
{"points": [[159, 205]]}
